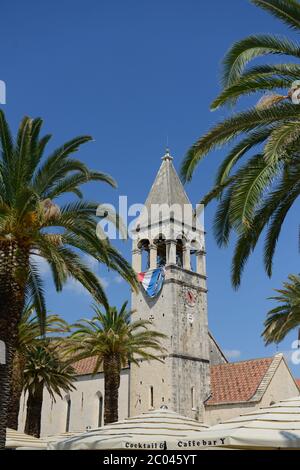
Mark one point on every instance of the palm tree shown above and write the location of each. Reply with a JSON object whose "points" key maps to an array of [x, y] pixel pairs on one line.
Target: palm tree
{"points": [[44, 370], [29, 336], [115, 341], [33, 226], [286, 316], [260, 191]]}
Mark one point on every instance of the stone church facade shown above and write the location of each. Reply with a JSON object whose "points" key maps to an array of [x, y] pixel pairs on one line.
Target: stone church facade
{"points": [[194, 377]]}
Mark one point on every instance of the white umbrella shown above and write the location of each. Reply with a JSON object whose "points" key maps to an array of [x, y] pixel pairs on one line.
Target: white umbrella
{"points": [[19, 440], [61, 436], [154, 430], [273, 427]]}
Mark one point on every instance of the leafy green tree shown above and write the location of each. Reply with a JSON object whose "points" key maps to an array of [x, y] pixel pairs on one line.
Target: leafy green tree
{"points": [[259, 179], [115, 341], [286, 316], [29, 336], [33, 226], [44, 369]]}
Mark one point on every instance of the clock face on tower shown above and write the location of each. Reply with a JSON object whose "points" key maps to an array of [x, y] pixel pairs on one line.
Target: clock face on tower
{"points": [[190, 298]]}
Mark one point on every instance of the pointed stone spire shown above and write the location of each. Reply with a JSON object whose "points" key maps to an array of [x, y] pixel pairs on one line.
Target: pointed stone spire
{"points": [[167, 187], [167, 155]]}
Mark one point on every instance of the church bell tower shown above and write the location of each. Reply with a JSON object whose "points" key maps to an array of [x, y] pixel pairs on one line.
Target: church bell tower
{"points": [[168, 236]]}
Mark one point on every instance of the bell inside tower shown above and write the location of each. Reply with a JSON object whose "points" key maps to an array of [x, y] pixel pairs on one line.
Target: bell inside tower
{"points": [[144, 250], [161, 248]]}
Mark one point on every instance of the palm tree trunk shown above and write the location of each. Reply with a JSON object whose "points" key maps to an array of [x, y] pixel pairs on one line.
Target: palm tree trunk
{"points": [[34, 411], [13, 275], [17, 383], [112, 373]]}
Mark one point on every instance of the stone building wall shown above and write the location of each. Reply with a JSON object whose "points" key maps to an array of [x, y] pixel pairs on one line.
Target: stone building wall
{"points": [[182, 381], [84, 409]]}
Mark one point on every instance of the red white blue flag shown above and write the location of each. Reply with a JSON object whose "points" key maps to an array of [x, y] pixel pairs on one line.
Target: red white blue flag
{"points": [[152, 281]]}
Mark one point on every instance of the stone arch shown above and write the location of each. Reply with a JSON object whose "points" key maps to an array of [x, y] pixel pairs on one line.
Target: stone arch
{"points": [[194, 249], [160, 243], [181, 247], [144, 247]]}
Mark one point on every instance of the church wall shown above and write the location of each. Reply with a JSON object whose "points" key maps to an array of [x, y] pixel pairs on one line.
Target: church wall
{"points": [[84, 405], [215, 414], [150, 374], [186, 329], [281, 387]]}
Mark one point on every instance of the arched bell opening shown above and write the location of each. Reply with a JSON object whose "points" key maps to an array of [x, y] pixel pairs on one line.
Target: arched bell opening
{"points": [[183, 253], [197, 258], [179, 253], [161, 250], [194, 250], [144, 247]]}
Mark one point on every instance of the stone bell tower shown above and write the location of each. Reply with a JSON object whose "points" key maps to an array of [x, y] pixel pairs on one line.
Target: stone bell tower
{"points": [[167, 235]]}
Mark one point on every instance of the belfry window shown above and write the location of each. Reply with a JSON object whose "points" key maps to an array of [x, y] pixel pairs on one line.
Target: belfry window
{"points": [[179, 253], [194, 250], [160, 242], [145, 254]]}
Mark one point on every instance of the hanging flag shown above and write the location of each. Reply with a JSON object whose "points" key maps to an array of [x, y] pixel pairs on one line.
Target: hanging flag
{"points": [[152, 281]]}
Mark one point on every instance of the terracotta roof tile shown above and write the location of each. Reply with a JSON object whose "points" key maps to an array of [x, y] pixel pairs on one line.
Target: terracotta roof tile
{"points": [[86, 366], [231, 382], [297, 382], [237, 381]]}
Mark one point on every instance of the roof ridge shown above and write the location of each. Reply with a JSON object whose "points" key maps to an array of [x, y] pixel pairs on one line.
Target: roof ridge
{"points": [[243, 381], [245, 360], [267, 378]]}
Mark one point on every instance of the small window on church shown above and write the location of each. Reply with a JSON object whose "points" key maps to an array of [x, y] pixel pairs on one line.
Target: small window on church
{"points": [[68, 417], [193, 397], [151, 401], [100, 410]]}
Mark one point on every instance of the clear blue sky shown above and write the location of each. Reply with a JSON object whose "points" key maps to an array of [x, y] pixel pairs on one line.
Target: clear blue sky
{"points": [[130, 73]]}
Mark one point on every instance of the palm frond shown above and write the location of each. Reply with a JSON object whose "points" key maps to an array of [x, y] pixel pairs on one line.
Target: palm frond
{"points": [[251, 48], [280, 139], [287, 11], [230, 128], [247, 85]]}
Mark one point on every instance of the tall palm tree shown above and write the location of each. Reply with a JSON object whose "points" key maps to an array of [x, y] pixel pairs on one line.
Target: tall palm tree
{"points": [[32, 225], [29, 336], [44, 370], [286, 316], [259, 191], [115, 341]]}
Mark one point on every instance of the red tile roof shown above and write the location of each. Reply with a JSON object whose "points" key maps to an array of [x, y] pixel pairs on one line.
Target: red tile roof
{"points": [[237, 381], [297, 382], [230, 383], [86, 366]]}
